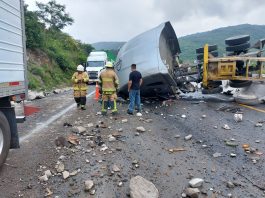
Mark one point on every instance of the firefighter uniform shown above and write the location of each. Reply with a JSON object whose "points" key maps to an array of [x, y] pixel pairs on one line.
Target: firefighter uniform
{"points": [[109, 82], [80, 80]]}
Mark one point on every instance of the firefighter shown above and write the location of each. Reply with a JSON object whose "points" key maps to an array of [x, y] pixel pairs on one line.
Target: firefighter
{"points": [[80, 80], [109, 82]]}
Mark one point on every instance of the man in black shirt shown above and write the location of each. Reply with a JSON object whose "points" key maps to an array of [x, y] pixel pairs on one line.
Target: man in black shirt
{"points": [[134, 84]]}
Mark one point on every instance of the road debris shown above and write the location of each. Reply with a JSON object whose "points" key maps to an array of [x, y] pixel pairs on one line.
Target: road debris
{"points": [[140, 187], [66, 174], [232, 155], [215, 155], [59, 167], [139, 114], [115, 168], [140, 129], [196, 182], [48, 173], [48, 192], [238, 117], [124, 121], [89, 184], [73, 139], [173, 150], [226, 127], [43, 178], [188, 137], [259, 124], [231, 143], [192, 192]]}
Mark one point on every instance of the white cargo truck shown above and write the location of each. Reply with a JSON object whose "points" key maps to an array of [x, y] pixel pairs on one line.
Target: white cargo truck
{"points": [[13, 83], [95, 63]]}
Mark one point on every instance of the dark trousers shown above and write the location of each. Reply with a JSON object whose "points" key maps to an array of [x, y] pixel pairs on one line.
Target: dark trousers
{"points": [[80, 100]]}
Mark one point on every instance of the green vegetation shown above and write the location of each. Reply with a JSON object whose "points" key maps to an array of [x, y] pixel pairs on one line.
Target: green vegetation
{"points": [[189, 43], [53, 55]]}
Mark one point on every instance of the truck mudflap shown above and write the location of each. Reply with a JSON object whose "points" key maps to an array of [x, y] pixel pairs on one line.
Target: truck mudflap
{"points": [[9, 112]]}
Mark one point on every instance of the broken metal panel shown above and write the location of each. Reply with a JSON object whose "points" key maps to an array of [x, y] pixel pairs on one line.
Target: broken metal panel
{"points": [[153, 52]]}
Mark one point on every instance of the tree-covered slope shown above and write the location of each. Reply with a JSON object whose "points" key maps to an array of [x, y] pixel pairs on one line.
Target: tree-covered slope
{"points": [[189, 43]]}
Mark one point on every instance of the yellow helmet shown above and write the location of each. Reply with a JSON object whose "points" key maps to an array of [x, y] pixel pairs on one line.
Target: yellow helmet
{"points": [[109, 65]]}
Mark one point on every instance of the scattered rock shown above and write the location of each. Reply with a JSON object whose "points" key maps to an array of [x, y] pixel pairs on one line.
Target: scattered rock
{"points": [[232, 155], [59, 167], [111, 138], [177, 136], [258, 124], [183, 116], [238, 117], [196, 182], [120, 130], [98, 113], [120, 184], [115, 168], [103, 148], [74, 173], [79, 130], [124, 121], [188, 137], [257, 141], [139, 114], [43, 178], [89, 185], [230, 184], [204, 116], [137, 134], [140, 129], [192, 192], [217, 155], [148, 120], [66, 174], [90, 125], [48, 173], [226, 127], [140, 187], [73, 139], [48, 192]]}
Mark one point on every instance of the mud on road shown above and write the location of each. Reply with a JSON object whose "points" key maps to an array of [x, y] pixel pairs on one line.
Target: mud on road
{"points": [[160, 154]]}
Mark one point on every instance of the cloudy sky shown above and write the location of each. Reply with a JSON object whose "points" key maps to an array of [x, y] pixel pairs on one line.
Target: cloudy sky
{"points": [[120, 20]]}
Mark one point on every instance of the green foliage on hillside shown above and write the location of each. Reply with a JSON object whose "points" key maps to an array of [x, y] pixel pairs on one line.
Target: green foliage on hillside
{"points": [[189, 43], [53, 55]]}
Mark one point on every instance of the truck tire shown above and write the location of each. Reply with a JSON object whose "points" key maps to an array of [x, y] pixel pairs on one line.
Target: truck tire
{"points": [[210, 49], [238, 48], [5, 137], [239, 83], [237, 40], [200, 56]]}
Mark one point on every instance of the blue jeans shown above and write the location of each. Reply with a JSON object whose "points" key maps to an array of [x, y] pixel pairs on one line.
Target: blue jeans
{"points": [[135, 99]]}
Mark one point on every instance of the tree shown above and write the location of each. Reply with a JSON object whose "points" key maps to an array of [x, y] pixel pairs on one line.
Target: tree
{"points": [[34, 30], [54, 15]]}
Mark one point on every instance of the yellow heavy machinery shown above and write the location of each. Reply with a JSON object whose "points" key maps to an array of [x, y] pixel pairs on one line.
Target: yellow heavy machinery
{"points": [[225, 68]]}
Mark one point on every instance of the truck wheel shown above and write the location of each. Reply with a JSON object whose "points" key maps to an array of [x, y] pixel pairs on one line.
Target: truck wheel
{"points": [[237, 40], [210, 49], [4, 138], [238, 48], [239, 83]]}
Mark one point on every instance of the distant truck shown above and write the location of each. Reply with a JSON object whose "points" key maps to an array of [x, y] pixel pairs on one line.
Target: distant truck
{"points": [[95, 63], [13, 83]]}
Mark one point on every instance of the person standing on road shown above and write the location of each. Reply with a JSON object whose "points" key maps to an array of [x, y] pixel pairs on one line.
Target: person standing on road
{"points": [[80, 80], [134, 84], [109, 82]]}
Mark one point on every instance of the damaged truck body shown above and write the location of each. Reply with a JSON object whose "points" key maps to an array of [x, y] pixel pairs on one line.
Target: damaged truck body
{"points": [[155, 53]]}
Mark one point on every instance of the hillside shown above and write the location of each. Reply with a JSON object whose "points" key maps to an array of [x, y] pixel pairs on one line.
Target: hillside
{"points": [[189, 43], [52, 55]]}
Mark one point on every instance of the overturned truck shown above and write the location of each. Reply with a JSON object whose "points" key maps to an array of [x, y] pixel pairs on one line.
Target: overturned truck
{"points": [[155, 53]]}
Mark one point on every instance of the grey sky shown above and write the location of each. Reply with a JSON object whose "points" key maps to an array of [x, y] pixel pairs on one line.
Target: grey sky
{"points": [[120, 20]]}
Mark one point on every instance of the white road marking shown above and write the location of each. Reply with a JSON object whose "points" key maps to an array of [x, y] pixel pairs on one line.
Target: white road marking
{"points": [[49, 121]]}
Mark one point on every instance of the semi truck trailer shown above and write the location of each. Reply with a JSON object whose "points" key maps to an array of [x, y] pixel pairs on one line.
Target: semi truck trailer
{"points": [[13, 71]]}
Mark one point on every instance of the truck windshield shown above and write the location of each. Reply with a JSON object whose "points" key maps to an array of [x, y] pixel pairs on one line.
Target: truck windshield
{"points": [[95, 63]]}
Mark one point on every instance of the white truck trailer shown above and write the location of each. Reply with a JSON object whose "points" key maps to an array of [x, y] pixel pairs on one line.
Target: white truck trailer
{"points": [[95, 63], [13, 83]]}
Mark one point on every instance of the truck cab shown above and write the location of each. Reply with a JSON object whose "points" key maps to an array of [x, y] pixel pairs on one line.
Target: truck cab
{"points": [[95, 63]]}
